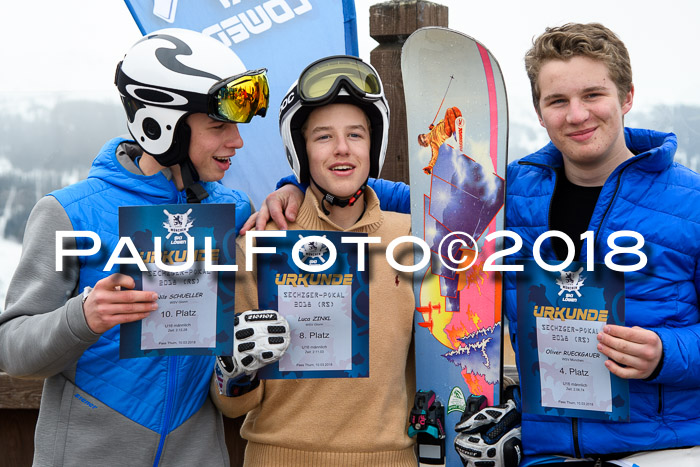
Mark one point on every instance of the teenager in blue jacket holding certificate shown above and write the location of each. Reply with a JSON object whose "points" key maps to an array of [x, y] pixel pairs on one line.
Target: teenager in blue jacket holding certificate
{"points": [[596, 175], [184, 95]]}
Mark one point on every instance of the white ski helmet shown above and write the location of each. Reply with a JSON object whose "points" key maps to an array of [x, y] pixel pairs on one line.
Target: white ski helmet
{"points": [[336, 79], [172, 73]]}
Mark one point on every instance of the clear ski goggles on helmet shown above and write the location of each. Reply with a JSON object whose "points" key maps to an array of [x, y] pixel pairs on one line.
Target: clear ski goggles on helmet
{"points": [[239, 98], [320, 81]]}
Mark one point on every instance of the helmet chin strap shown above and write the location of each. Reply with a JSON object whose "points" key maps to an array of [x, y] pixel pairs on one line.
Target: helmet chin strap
{"points": [[195, 192], [340, 202]]}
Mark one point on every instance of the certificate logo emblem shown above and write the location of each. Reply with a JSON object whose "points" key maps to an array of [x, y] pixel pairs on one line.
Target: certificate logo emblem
{"points": [[570, 282], [314, 252], [178, 224]]}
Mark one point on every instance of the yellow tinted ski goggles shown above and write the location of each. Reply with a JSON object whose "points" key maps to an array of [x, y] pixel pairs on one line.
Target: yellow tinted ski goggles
{"points": [[239, 98], [321, 80]]}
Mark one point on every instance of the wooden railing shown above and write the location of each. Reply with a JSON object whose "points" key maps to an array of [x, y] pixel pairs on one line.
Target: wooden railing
{"points": [[19, 409]]}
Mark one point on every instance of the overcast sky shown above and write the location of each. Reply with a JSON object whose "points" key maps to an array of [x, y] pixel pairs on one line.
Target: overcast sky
{"points": [[71, 47]]}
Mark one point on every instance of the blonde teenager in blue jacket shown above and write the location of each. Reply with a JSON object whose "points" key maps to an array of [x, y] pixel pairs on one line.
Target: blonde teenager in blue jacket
{"points": [[597, 175]]}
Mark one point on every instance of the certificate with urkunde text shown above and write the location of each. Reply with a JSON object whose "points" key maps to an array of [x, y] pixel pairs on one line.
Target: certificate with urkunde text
{"points": [[560, 314], [313, 280], [185, 253]]}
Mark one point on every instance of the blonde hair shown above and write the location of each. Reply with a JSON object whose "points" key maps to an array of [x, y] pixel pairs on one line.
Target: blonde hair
{"points": [[592, 40]]}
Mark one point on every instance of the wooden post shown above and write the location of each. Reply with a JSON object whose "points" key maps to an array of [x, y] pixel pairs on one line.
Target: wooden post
{"points": [[390, 24]]}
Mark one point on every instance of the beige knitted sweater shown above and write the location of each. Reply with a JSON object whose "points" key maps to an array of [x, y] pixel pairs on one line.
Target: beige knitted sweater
{"points": [[348, 421]]}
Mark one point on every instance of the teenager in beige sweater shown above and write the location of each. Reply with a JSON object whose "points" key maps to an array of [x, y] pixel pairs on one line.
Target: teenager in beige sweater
{"points": [[350, 421]]}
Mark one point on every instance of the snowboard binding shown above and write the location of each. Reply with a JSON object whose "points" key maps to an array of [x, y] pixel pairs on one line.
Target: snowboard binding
{"points": [[427, 423], [474, 405]]}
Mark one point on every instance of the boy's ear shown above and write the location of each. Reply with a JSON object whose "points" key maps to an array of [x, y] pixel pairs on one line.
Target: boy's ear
{"points": [[627, 102], [539, 117]]}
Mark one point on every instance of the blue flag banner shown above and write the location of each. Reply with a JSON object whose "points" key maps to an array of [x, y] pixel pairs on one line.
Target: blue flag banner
{"points": [[283, 36]]}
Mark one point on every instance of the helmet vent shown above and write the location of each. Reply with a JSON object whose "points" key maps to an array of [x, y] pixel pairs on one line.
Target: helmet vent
{"points": [[152, 95]]}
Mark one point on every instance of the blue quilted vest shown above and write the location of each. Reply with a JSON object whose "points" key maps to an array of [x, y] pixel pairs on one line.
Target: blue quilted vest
{"points": [[159, 393]]}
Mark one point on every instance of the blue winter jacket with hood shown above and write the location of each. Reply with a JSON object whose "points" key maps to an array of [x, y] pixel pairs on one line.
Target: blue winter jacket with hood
{"points": [[660, 199]]}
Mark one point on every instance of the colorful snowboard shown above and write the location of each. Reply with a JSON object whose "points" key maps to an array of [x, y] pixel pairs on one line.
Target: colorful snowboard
{"points": [[457, 119]]}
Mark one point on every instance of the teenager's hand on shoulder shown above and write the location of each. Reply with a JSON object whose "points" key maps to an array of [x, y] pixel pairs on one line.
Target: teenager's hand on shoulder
{"points": [[634, 352], [112, 302], [281, 205]]}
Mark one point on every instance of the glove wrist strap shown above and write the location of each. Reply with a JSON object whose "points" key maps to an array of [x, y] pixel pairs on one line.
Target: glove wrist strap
{"points": [[243, 385]]}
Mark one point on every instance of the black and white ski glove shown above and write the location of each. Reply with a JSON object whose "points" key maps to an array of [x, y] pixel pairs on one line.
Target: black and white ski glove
{"points": [[261, 338], [490, 436]]}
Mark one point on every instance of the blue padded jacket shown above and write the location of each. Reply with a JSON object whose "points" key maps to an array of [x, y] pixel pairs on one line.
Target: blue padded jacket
{"points": [[660, 199]]}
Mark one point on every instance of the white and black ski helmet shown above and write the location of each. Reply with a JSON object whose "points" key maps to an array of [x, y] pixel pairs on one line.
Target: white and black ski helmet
{"points": [[166, 76], [336, 79]]}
